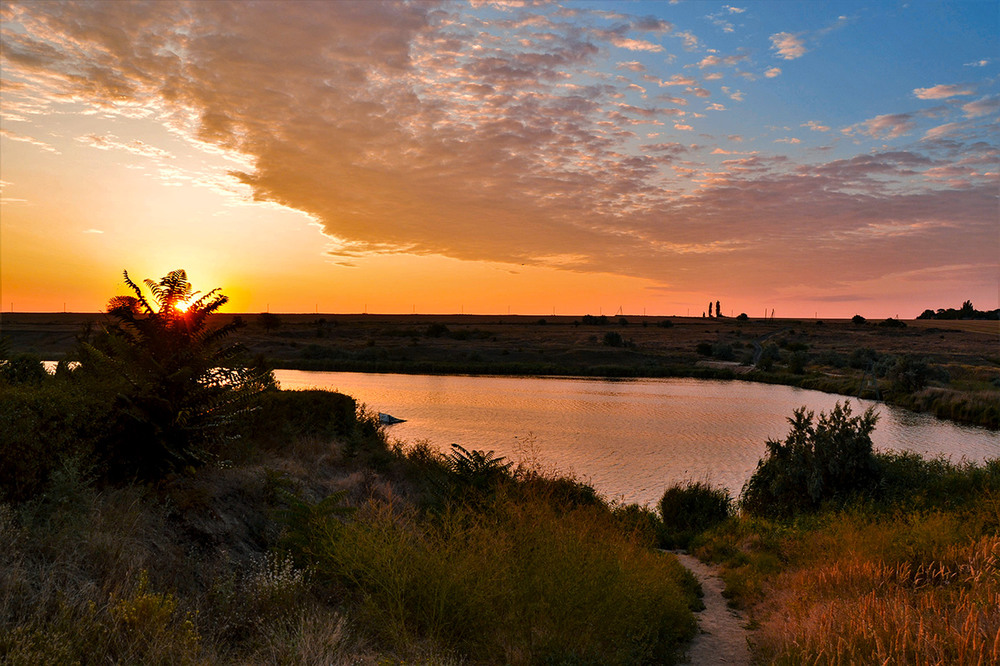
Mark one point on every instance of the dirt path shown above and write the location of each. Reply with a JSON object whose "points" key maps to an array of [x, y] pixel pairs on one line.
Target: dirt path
{"points": [[722, 639]]}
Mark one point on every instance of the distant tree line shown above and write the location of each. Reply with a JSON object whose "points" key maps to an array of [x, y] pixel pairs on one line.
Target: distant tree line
{"points": [[965, 312]]}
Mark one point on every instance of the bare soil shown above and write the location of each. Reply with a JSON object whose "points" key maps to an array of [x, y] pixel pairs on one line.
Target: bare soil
{"points": [[722, 637]]}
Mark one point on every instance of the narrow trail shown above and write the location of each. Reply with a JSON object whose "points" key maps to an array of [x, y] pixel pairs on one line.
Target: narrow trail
{"points": [[722, 638]]}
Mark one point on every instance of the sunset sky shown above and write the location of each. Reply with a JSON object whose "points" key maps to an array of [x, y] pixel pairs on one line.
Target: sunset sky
{"points": [[569, 157]]}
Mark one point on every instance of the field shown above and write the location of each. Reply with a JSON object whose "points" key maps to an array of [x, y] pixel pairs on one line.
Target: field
{"points": [[496, 343], [958, 373]]}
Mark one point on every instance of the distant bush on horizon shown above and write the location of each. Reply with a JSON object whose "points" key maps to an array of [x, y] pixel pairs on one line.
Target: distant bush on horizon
{"points": [[967, 311]]}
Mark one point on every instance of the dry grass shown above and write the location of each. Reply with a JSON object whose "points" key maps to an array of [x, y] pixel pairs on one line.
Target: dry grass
{"points": [[177, 575], [971, 326], [857, 609], [911, 578]]}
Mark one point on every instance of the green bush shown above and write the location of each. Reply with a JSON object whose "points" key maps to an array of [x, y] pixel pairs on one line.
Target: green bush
{"points": [[691, 507], [797, 362], [829, 461], [908, 374]]}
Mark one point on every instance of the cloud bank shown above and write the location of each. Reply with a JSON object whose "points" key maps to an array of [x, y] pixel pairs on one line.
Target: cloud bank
{"points": [[513, 135]]}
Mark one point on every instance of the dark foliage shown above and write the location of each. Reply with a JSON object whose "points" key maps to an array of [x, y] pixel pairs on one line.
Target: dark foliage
{"points": [[830, 460], [436, 330], [268, 321], [22, 369], [690, 508], [723, 351], [178, 385], [613, 339], [967, 311], [797, 362]]}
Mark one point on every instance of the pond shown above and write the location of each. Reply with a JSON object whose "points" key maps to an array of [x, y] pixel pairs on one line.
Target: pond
{"points": [[629, 438]]}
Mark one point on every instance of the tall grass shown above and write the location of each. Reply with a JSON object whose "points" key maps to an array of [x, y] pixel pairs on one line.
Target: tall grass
{"points": [[912, 577], [524, 582], [935, 600]]}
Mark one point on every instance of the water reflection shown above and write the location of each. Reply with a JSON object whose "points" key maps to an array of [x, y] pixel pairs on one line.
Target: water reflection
{"points": [[630, 438]]}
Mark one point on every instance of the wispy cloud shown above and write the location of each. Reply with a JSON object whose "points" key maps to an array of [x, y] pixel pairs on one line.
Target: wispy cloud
{"points": [[787, 45], [636, 44], [135, 147], [22, 138], [982, 107], [889, 126], [942, 91]]}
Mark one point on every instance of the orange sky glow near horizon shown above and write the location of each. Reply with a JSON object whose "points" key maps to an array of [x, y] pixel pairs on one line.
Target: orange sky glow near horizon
{"points": [[484, 158]]}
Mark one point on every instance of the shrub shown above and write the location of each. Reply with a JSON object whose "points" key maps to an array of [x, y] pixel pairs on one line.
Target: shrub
{"points": [[862, 357], [704, 348], [908, 374], [178, 385], [666, 323], [723, 351], [282, 416], [23, 369], [690, 508], [268, 321], [829, 461], [742, 317], [797, 362], [43, 425], [475, 475], [613, 339], [858, 320]]}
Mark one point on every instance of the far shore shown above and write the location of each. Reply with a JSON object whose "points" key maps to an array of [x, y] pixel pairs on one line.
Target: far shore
{"points": [[961, 358]]}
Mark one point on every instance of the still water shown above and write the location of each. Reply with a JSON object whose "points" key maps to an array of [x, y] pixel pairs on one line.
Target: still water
{"points": [[629, 438]]}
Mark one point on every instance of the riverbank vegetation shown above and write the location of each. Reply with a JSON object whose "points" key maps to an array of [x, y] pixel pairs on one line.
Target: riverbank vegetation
{"points": [[843, 556], [948, 368]]}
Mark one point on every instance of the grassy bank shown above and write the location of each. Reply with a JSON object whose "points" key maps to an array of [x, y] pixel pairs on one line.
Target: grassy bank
{"points": [[309, 539], [909, 574]]}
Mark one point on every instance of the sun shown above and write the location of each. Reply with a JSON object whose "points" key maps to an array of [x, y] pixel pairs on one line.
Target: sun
{"points": [[185, 305]]}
